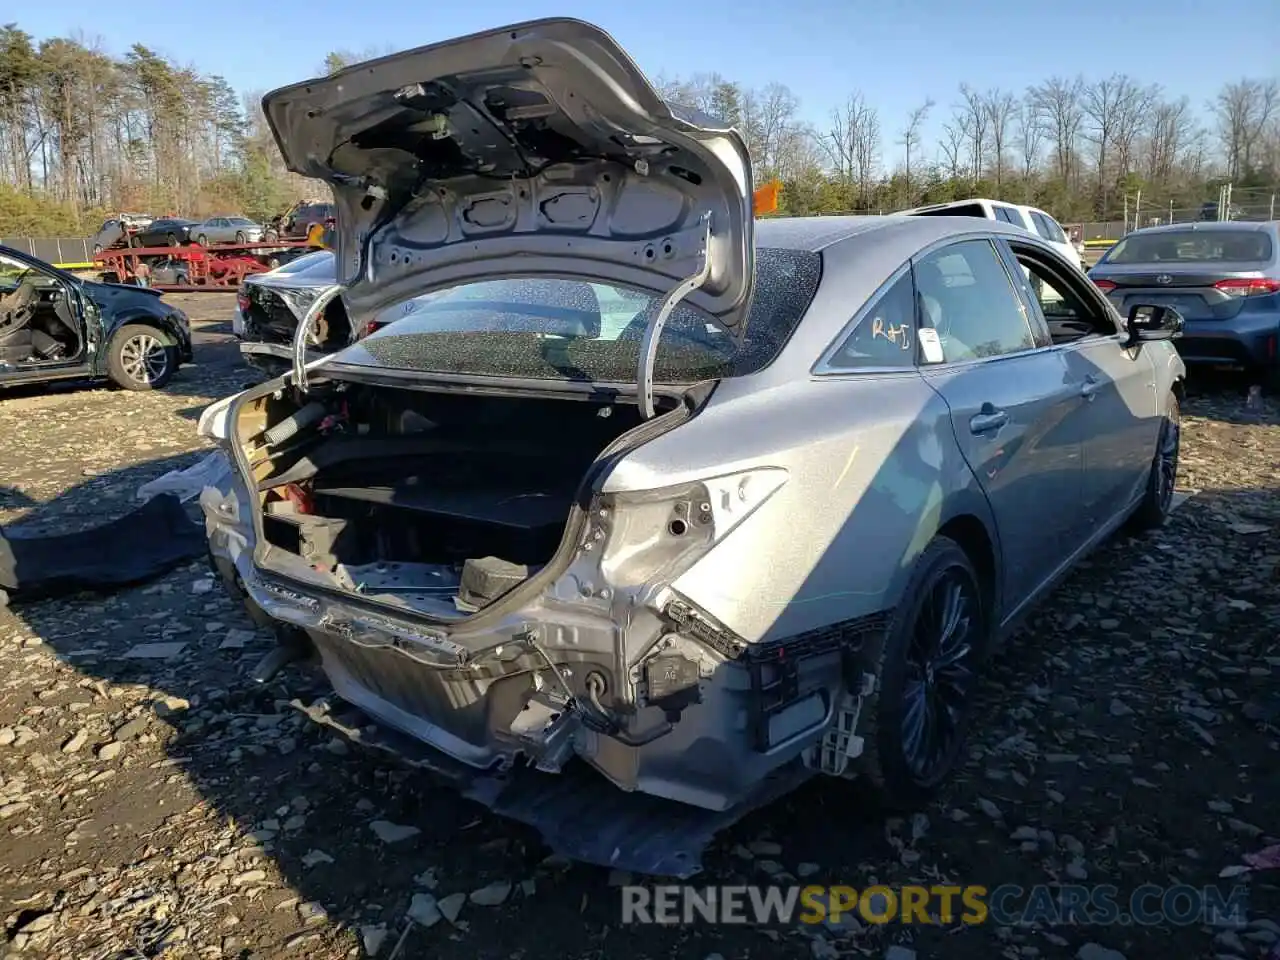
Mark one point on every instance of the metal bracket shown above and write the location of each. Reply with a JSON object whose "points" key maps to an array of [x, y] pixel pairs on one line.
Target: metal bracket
{"points": [[652, 333], [301, 335], [841, 742]]}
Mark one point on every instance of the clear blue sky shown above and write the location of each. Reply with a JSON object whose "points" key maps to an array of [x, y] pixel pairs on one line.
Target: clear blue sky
{"points": [[896, 52]]}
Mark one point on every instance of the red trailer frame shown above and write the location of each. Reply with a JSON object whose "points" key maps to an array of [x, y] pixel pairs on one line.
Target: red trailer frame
{"points": [[218, 267]]}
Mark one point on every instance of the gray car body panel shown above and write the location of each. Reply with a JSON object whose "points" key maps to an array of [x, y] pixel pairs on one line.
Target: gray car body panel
{"points": [[538, 149], [876, 464]]}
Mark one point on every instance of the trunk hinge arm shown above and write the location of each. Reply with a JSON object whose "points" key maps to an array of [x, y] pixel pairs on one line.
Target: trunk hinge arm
{"points": [[303, 333], [653, 332]]}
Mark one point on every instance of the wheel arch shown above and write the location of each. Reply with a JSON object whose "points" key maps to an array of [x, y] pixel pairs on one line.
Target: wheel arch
{"points": [[973, 537], [161, 324]]}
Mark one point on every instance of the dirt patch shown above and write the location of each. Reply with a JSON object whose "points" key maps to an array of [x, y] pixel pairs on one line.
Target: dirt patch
{"points": [[166, 806]]}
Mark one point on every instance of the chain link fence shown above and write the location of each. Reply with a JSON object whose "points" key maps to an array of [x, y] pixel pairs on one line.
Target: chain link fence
{"points": [[1152, 209]]}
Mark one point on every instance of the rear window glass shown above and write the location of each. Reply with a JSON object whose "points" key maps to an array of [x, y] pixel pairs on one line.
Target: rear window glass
{"points": [[964, 210], [1193, 246], [1055, 231], [555, 329], [309, 263]]}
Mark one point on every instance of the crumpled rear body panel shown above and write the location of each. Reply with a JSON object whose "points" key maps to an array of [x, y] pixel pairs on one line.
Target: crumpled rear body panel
{"points": [[579, 814]]}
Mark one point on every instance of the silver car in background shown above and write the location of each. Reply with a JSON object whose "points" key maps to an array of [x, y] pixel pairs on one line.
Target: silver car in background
{"points": [[657, 511], [226, 230], [117, 229]]}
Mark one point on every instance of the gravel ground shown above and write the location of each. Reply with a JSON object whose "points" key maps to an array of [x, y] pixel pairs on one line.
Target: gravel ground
{"points": [[169, 808]]}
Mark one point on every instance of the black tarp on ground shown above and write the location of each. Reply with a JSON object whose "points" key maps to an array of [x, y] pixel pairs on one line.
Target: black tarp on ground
{"points": [[138, 547]]}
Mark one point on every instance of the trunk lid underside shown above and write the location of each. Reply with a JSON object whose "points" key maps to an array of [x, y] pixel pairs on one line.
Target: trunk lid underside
{"points": [[538, 150]]}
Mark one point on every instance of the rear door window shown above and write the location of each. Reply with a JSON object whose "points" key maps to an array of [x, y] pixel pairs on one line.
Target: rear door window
{"points": [[1008, 215], [1042, 226], [1058, 235], [968, 306]]}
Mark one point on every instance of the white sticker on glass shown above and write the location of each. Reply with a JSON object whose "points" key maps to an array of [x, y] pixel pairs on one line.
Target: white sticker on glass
{"points": [[930, 345]]}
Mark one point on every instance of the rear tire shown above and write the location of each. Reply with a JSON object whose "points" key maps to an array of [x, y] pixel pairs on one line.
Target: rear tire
{"points": [[1157, 502], [140, 357], [927, 676]]}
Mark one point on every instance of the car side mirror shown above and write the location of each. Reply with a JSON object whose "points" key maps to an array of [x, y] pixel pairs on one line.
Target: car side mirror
{"points": [[1149, 321]]}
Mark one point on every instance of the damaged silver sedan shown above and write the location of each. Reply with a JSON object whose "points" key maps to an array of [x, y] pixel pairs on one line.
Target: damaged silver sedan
{"points": [[655, 511]]}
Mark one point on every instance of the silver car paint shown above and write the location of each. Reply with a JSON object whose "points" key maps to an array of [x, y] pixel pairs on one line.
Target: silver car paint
{"points": [[877, 463], [224, 230]]}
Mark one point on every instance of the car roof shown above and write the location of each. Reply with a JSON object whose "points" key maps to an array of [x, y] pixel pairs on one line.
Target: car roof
{"points": [[963, 203], [1211, 226], [818, 233]]}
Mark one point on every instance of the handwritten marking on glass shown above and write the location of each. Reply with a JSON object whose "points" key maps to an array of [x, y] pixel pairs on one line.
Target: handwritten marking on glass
{"points": [[899, 334]]}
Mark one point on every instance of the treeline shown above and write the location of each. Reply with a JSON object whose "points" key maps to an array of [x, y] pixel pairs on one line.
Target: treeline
{"points": [[1084, 150], [84, 133]]}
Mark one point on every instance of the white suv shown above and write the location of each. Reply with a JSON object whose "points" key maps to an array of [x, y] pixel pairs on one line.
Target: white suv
{"points": [[1031, 219]]}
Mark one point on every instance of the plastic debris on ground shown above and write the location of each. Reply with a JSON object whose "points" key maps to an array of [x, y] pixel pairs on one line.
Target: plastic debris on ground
{"points": [[186, 484], [1268, 858]]}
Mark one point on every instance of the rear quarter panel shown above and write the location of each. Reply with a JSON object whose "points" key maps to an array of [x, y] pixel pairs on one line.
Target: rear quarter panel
{"points": [[120, 305], [874, 471]]}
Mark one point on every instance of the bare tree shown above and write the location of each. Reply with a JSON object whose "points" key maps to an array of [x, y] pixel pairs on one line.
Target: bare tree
{"points": [[853, 144], [911, 134], [1170, 132], [1244, 112], [1000, 108], [955, 136], [1135, 104], [1058, 103], [977, 124], [769, 125], [1031, 127], [1114, 112]]}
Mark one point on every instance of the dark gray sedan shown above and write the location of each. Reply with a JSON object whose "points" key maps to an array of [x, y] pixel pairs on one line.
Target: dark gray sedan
{"points": [[1223, 277]]}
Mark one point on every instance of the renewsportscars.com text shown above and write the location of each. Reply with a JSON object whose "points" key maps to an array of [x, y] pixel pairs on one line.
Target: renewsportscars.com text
{"points": [[1006, 905]]}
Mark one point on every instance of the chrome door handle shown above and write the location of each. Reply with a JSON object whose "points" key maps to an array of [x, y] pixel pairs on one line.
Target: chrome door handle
{"points": [[1091, 386], [987, 421]]}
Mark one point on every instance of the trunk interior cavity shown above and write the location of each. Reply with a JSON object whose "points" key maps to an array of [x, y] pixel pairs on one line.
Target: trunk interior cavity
{"points": [[438, 502]]}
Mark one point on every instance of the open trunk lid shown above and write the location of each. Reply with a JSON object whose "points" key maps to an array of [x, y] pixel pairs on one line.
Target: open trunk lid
{"points": [[538, 149]]}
